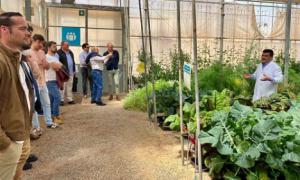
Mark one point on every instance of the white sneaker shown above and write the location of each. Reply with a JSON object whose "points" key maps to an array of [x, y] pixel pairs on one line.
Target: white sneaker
{"points": [[53, 126], [39, 131], [35, 133]]}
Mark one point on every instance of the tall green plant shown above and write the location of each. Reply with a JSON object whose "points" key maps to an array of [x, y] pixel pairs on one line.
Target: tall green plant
{"points": [[221, 76], [166, 68]]}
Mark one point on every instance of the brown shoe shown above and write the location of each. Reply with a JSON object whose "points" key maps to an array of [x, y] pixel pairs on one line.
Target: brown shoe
{"points": [[111, 97], [58, 120], [118, 98]]}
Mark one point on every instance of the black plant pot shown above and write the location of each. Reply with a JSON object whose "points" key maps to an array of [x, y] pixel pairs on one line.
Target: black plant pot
{"points": [[160, 120], [204, 168]]}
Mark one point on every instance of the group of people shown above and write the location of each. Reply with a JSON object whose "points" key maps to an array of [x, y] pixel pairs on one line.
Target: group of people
{"points": [[29, 87], [92, 65], [35, 79]]}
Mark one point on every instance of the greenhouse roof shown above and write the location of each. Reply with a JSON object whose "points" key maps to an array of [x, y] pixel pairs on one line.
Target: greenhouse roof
{"points": [[294, 1]]}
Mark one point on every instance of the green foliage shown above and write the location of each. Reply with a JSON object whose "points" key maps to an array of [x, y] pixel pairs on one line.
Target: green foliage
{"points": [[241, 142], [293, 74], [254, 144], [167, 97], [209, 103], [216, 100], [166, 68], [213, 102], [205, 57], [173, 121], [294, 81], [137, 99], [214, 75], [221, 76], [276, 102]]}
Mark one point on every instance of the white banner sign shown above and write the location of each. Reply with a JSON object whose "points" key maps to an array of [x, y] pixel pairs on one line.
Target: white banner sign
{"points": [[187, 71]]}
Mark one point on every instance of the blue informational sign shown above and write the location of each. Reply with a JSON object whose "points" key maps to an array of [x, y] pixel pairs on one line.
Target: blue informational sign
{"points": [[187, 68], [71, 35]]}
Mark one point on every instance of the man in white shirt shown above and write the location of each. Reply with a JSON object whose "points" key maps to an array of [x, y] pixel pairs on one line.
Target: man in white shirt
{"points": [[267, 75], [38, 55], [97, 64], [54, 94], [85, 69]]}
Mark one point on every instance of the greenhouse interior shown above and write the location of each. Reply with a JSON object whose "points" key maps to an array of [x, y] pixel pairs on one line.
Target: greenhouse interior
{"points": [[150, 89]]}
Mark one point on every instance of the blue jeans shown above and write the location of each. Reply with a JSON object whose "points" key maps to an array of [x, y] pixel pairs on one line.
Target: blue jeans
{"points": [[45, 101], [54, 96], [97, 85]]}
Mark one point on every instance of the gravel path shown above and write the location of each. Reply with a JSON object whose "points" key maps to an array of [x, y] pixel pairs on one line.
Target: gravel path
{"points": [[107, 143]]}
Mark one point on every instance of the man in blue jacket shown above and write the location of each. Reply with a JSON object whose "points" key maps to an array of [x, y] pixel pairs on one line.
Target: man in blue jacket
{"points": [[113, 71]]}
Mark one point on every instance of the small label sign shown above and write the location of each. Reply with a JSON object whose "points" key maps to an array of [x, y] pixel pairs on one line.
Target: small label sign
{"points": [[81, 12]]}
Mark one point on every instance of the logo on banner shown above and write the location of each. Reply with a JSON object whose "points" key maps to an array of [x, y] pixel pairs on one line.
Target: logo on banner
{"points": [[71, 35]]}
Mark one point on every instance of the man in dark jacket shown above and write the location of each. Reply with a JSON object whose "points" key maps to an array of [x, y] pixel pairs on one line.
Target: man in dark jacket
{"points": [[113, 71], [66, 57]]}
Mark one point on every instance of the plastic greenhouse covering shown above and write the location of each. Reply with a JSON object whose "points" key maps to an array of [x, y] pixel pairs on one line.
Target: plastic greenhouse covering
{"points": [[247, 23]]}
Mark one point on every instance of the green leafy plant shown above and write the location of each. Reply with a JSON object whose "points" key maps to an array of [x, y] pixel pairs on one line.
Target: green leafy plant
{"points": [[137, 99], [212, 78], [276, 102], [173, 121], [253, 144], [166, 68], [209, 104], [167, 97]]}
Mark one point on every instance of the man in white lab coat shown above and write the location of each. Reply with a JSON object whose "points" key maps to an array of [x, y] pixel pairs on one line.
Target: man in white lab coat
{"points": [[267, 75]]}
